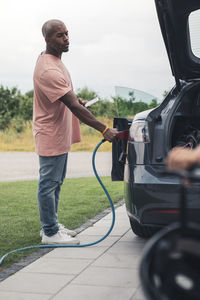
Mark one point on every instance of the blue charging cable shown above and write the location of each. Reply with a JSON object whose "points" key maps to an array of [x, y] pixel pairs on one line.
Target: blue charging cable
{"points": [[81, 245]]}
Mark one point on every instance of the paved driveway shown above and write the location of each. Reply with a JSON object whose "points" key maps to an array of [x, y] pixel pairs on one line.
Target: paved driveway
{"points": [[24, 165], [107, 271]]}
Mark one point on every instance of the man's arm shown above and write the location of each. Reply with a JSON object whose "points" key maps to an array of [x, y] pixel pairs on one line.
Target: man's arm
{"points": [[84, 115]]}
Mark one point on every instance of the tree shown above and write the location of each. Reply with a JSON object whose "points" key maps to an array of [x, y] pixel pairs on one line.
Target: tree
{"points": [[26, 106], [86, 94], [153, 103], [139, 106], [30, 94], [15, 107], [123, 106], [9, 105], [102, 108]]}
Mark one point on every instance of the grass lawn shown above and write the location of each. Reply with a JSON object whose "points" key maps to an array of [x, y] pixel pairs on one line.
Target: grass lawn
{"points": [[81, 199]]}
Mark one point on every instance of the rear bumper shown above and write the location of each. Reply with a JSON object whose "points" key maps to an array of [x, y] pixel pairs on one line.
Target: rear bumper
{"points": [[154, 199]]}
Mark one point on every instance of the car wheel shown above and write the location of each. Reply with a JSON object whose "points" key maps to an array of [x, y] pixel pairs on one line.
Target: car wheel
{"points": [[142, 230]]}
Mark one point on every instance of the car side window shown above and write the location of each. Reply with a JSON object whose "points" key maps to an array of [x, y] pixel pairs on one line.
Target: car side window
{"points": [[194, 29]]}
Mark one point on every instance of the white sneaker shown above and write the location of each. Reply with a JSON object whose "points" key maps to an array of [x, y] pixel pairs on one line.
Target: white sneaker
{"points": [[59, 238], [64, 229]]}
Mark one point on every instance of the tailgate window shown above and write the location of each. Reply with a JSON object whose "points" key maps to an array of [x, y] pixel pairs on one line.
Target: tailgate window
{"points": [[194, 29]]}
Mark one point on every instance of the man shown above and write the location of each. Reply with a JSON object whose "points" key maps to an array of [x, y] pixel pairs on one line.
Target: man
{"points": [[56, 127], [183, 158]]}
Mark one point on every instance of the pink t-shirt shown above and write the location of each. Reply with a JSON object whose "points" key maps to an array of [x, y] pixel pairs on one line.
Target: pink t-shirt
{"points": [[55, 128]]}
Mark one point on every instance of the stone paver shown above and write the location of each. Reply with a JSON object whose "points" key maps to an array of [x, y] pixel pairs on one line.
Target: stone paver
{"points": [[83, 292], [23, 296], [108, 270]]}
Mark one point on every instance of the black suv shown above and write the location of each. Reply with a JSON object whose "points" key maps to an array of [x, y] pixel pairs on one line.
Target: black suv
{"points": [[152, 199]]}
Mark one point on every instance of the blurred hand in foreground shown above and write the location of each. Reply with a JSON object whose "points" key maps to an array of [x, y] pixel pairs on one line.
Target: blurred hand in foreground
{"points": [[183, 158]]}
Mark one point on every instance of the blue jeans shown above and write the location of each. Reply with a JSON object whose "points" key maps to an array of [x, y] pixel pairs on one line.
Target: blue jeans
{"points": [[52, 173]]}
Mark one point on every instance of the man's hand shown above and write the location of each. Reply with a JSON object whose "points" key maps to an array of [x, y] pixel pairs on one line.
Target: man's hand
{"points": [[110, 134], [82, 102], [183, 158]]}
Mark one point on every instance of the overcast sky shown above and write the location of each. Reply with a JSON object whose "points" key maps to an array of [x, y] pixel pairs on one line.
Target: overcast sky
{"points": [[112, 43]]}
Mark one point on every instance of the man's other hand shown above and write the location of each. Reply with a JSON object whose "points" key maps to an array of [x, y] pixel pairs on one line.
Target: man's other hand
{"points": [[82, 102]]}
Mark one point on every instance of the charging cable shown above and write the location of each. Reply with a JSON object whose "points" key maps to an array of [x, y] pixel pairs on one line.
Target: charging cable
{"points": [[81, 245]]}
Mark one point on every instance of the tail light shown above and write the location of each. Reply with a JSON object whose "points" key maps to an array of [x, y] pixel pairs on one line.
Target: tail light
{"points": [[139, 132]]}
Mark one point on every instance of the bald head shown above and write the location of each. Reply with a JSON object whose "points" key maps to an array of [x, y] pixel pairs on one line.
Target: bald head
{"points": [[49, 27]]}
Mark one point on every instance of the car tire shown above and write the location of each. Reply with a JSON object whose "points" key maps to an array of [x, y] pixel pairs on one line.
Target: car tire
{"points": [[143, 230]]}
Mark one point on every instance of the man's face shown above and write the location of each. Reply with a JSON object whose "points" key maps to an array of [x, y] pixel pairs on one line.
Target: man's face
{"points": [[59, 40]]}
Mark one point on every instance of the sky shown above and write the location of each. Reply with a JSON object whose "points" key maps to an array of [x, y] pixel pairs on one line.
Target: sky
{"points": [[112, 43]]}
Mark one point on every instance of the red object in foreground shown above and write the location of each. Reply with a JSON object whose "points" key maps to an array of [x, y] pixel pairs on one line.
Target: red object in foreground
{"points": [[123, 135]]}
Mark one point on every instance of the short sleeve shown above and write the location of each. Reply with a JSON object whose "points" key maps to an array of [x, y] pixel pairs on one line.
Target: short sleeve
{"points": [[54, 84]]}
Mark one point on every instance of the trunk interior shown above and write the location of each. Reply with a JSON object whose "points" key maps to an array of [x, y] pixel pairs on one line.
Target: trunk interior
{"points": [[185, 127]]}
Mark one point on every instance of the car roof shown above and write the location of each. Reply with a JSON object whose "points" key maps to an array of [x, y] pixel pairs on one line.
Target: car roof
{"points": [[176, 23]]}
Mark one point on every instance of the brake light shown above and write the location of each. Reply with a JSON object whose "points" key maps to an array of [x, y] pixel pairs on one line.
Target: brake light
{"points": [[139, 132], [165, 211]]}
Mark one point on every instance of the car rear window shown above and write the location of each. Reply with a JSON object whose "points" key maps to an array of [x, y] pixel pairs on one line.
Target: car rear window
{"points": [[194, 29]]}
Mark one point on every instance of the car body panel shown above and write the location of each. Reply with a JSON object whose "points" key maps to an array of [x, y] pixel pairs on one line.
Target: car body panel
{"points": [[153, 198]]}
